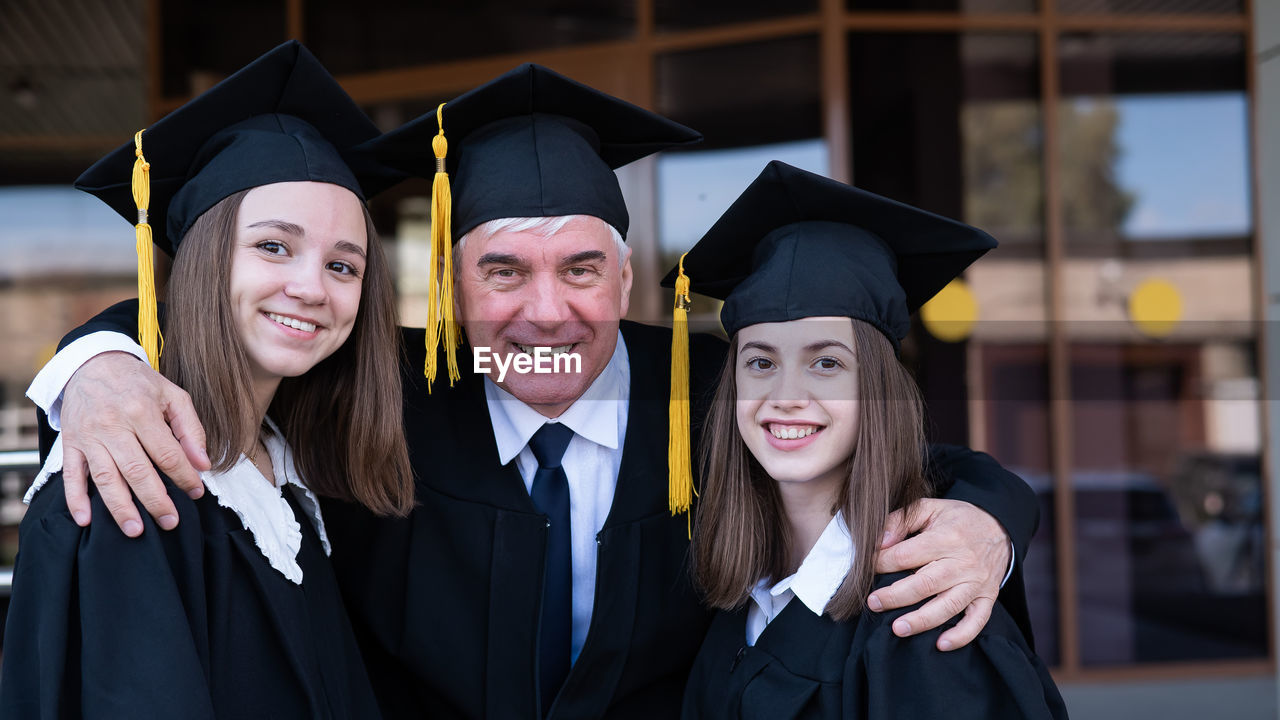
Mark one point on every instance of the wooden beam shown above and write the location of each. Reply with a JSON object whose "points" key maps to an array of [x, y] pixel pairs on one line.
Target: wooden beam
{"points": [[598, 65], [737, 34], [295, 20], [836, 128], [1060, 405]]}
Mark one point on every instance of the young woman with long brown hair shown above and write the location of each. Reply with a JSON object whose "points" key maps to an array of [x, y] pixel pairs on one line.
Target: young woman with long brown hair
{"points": [[280, 325], [815, 435]]}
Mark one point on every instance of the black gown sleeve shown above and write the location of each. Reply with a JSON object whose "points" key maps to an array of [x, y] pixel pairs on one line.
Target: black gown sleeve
{"points": [[121, 317], [104, 626], [995, 677], [975, 477], [961, 474]]}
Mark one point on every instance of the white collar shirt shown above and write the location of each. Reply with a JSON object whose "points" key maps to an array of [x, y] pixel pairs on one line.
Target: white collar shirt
{"points": [[591, 464], [815, 582]]}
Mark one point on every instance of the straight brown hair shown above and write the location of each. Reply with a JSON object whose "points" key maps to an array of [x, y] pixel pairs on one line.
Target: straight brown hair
{"points": [[742, 536], [342, 418]]}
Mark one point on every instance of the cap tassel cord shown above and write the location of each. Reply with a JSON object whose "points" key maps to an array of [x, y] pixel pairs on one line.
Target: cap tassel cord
{"points": [[679, 466], [148, 322], [440, 289]]}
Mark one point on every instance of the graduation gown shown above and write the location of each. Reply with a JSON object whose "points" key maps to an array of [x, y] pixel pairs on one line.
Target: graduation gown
{"points": [[809, 667], [446, 602], [189, 623]]}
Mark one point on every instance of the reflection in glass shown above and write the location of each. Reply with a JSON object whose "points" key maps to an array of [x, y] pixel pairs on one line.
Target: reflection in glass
{"points": [[1153, 142], [1014, 428], [1153, 176], [1169, 526], [951, 123], [695, 188]]}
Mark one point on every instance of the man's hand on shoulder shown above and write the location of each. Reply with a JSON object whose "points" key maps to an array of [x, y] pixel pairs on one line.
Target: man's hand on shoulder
{"points": [[121, 420], [963, 555]]}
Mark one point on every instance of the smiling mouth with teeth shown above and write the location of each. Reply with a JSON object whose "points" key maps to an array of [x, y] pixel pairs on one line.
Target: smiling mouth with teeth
{"points": [[554, 350], [294, 323], [792, 432]]}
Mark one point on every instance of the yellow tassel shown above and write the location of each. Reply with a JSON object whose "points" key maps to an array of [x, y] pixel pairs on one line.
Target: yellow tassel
{"points": [[440, 288], [679, 466], [148, 323]]}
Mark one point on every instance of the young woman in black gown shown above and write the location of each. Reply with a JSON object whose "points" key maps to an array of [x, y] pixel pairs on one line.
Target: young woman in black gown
{"points": [[815, 435], [281, 326]]}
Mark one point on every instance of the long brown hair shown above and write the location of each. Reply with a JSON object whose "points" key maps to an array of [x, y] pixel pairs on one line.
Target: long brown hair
{"points": [[742, 534], [342, 418]]}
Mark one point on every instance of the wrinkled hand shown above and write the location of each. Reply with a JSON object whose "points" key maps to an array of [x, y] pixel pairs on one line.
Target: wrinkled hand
{"points": [[962, 554], [118, 417]]}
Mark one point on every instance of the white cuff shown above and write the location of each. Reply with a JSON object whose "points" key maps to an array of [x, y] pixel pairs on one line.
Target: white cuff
{"points": [[46, 390], [1012, 559]]}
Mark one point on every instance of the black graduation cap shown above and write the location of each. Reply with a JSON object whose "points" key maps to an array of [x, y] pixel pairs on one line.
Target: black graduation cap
{"points": [[532, 143], [796, 244], [280, 118]]}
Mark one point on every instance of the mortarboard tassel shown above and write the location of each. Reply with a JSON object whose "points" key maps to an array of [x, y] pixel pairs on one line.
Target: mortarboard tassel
{"points": [[440, 293], [148, 323], [680, 473]]}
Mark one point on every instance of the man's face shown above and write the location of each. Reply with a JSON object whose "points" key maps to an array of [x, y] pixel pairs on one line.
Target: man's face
{"points": [[520, 290]]}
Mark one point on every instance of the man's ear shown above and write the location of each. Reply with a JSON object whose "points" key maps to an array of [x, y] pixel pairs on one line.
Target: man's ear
{"points": [[628, 277]]}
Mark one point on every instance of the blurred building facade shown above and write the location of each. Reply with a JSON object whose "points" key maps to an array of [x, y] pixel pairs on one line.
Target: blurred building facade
{"points": [[1114, 147]]}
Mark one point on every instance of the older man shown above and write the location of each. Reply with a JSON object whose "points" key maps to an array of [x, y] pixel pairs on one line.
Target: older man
{"points": [[542, 574]]}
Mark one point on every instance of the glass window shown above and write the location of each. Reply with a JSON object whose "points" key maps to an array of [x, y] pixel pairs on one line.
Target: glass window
{"points": [[1154, 144], [1168, 502], [1014, 428], [951, 123], [695, 188]]}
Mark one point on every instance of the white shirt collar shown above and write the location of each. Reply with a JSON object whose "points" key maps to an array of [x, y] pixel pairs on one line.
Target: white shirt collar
{"points": [[262, 507], [594, 416], [820, 573]]}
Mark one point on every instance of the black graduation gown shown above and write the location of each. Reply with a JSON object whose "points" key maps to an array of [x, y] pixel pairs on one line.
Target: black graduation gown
{"points": [[446, 602], [809, 667], [189, 623], [449, 598]]}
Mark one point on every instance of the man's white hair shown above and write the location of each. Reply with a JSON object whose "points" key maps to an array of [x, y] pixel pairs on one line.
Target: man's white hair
{"points": [[541, 226]]}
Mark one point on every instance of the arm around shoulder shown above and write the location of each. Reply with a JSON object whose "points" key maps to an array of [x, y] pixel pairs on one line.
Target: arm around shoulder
{"points": [[976, 478]]}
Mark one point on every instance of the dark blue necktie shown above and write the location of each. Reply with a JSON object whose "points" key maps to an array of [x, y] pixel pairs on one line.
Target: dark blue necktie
{"points": [[551, 496]]}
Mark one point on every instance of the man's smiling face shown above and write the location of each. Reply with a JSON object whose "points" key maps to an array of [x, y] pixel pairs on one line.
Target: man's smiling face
{"points": [[517, 290]]}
